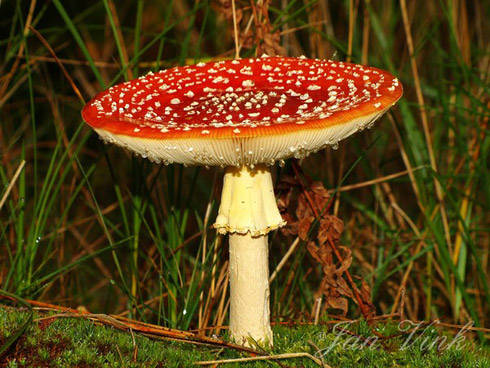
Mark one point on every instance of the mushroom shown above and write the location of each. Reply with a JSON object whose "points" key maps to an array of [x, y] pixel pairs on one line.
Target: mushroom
{"points": [[243, 115]]}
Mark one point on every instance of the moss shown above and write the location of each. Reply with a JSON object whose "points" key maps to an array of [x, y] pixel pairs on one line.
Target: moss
{"points": [[75, 342]]}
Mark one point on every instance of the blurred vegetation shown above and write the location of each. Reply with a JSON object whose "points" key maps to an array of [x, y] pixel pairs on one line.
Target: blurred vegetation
{"points": [[84, 224]]}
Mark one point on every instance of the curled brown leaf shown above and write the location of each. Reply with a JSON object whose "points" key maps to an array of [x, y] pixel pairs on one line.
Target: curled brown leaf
{"points": [[295, 201]]}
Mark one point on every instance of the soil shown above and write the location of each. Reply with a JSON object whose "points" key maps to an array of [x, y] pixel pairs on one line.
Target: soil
{"points": [[103, 349], [30, 354]]}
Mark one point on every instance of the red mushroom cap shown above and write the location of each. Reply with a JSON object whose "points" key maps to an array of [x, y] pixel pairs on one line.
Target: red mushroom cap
{"points": [[244, 111]]}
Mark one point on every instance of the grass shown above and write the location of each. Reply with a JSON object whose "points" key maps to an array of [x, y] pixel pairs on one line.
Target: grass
{"points": [[76, 342], [86, 224]]}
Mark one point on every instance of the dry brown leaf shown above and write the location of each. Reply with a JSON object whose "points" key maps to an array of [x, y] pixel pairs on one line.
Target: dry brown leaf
{"points": [[303, 227], [295, 204]]}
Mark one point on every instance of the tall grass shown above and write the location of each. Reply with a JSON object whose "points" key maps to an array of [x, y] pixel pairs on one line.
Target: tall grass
{"points": [[86, 224]]}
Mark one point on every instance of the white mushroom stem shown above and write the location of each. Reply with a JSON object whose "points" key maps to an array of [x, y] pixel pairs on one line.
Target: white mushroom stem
{"points": [[248, 211], [249, 290]]}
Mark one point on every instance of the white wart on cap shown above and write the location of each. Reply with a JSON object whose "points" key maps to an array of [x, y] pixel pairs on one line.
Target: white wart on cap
{"points": [[242, 112]]}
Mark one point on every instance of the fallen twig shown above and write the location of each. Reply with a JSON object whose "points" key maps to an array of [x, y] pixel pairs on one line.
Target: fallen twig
{"points": [[267, 357], [146, 329]]}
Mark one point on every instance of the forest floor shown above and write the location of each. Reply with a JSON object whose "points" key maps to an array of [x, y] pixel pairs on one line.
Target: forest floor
{"points": [[45, 341]]}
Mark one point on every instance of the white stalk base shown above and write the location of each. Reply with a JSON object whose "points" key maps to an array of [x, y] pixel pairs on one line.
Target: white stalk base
{"points": [[248, 204], [249, 290]]}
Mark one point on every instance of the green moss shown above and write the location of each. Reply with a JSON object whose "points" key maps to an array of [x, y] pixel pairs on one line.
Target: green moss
{"points": [[76, 342]]}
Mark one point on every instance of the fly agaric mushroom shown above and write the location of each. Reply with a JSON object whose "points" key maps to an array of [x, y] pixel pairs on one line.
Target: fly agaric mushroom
{"points": [[243, 115]]}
